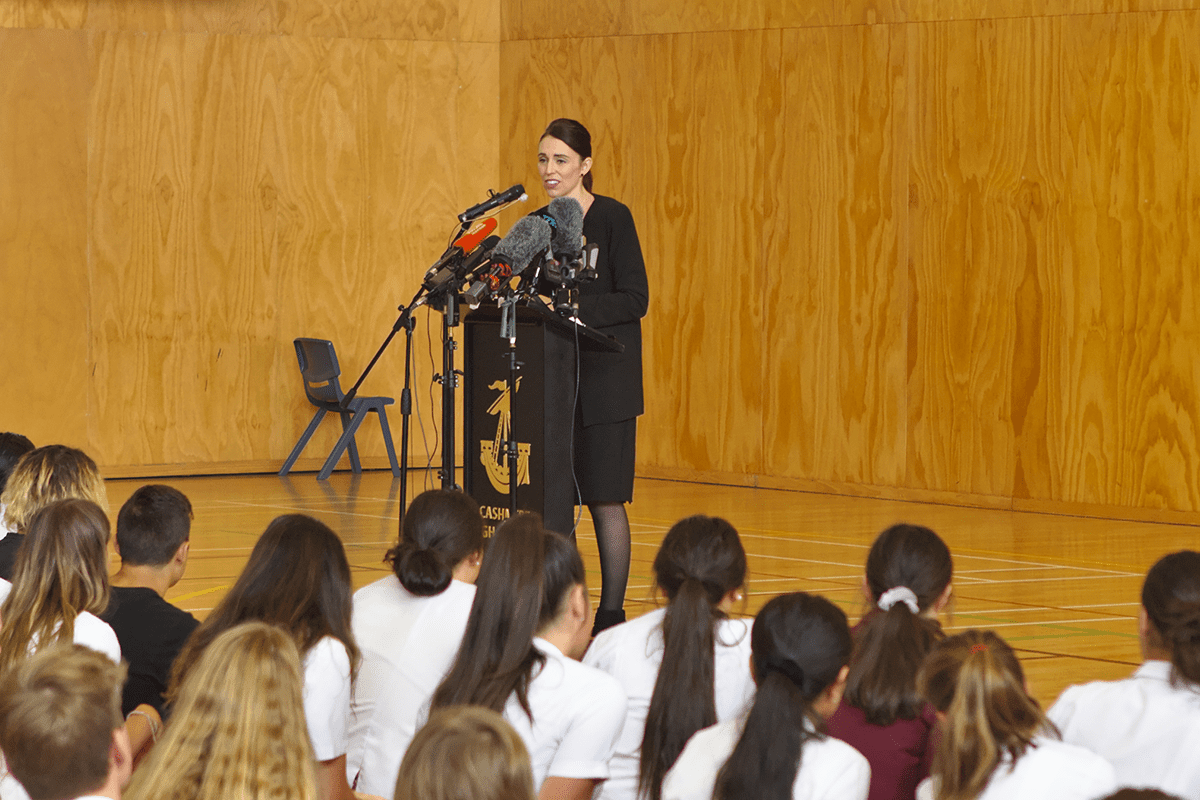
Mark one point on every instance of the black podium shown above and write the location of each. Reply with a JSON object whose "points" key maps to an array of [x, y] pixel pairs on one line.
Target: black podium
{"points": [[539, 416]]}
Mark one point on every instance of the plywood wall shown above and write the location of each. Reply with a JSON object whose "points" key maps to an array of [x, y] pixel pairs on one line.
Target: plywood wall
{"points": [[896, 247], [917, 250], [187, 186]]}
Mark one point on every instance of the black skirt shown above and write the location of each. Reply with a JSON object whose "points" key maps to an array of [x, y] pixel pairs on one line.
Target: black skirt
{"points": [[604, 457]]}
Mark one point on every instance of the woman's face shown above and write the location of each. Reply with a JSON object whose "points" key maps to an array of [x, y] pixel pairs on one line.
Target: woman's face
{"points": [[561, 168]]}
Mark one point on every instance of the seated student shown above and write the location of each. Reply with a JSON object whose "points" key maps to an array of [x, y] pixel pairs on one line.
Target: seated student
{"points": [[297, 577], [800, 648], [995, 742], [882, 714], [529, 623], [1148, 725], [152, 540], [465, 752], [60, 586], [237, 729], [683, 667], [61, 728], [12, 447], [409, 626], [41, 477]]}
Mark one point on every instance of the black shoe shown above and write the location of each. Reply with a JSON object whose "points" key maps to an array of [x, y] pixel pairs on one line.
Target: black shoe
{"points": [[606, 618]]}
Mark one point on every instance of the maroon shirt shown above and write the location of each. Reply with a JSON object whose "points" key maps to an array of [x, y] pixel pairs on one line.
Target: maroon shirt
{"points": [[899, 754]]}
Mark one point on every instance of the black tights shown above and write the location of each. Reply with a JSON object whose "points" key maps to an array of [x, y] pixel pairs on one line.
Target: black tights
{"points": [[612, 537]]}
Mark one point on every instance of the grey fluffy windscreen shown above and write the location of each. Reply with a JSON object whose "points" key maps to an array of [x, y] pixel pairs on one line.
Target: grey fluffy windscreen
{"points": [[568, 236], [525, 239]]}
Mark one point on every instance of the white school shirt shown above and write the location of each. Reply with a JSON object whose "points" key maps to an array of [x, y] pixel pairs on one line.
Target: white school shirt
{"points": [[577, 716], [326, 697], [408, 645], [1048, 770], [5, 588], [1148, 729], [90, 631], [830, 769], [632, 653]]}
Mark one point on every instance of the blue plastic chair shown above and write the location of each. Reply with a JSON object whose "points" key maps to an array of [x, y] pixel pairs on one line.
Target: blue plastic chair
{"points": [[319, 368]]}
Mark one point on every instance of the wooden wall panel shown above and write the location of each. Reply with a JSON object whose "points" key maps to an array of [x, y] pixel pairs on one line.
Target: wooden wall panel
{"points": [[43, 234], [544, 19], [836, 222], [256, 239], [984, 151], [1128, 418]]}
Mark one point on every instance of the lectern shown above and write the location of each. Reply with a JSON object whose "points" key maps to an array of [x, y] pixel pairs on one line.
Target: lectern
{"points": [[539, 416]]}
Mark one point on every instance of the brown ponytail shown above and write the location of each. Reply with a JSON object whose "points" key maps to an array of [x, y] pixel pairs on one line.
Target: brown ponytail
{"points": [[889, 645], [976, 681]]}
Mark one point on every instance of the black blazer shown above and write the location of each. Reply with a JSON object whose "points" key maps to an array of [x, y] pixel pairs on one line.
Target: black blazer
{"points": [[614, 303]]}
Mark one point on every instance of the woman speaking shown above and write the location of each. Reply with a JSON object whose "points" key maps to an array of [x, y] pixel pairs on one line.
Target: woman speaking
{"points": [[610, 391]]}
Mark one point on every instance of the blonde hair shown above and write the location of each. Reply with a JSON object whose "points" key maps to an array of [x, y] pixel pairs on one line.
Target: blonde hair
{"points": [[976, 681], [237, 729], [58, 711], [60, 572], [47, 474], [465, 753]]}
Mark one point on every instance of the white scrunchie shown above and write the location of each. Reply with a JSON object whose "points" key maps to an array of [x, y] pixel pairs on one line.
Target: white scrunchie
{"points": [[899, 594]]}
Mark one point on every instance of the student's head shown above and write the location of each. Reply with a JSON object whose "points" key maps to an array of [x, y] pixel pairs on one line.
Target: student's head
{"points": [[297, 577], [237, 724], [465, 753], [12, 447], [46, 474], [531, 583], [699, 567], [976, 684], [61, 570], [1170, 619], [61, 727], [441, 530], [799, 651], [907, 581], [153, 527]]}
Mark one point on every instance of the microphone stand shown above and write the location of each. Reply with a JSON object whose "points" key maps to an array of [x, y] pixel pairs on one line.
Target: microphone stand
{"points": [[449, 382], [405, 321]]}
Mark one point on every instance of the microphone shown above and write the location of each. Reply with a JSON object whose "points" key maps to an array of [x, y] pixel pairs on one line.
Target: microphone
{"points": [[525, 239], [509, 195], [479, 258], [567, 241], [444, 269]]}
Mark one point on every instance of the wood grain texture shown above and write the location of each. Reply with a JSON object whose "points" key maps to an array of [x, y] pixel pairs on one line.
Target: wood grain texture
{"points": [[984, 137], [1129, 418], [835, 233], [43, 235]]}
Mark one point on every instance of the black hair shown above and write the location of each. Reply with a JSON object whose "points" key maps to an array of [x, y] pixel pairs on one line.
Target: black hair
{"points": [[527, 575], [575, 136], [700, 561], [799, 644], [152, 524], [440, 529], [12, 447], [1171, 597], [889, 645]]}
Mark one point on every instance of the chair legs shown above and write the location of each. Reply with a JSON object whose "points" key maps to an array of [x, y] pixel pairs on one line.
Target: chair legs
{"points": [[387, 440], [351, 420], [300, 445], [357, 414]]}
